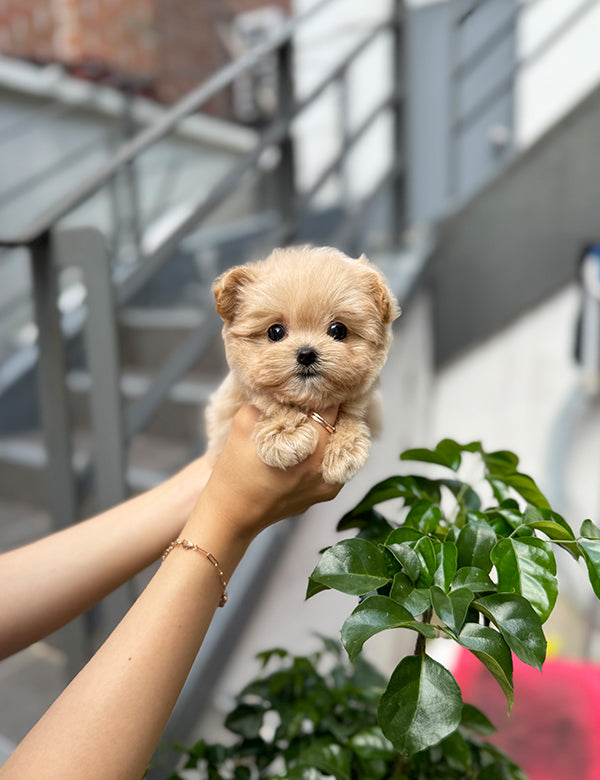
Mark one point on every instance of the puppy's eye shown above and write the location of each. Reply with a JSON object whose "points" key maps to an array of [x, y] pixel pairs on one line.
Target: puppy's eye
{"points": [[276, 332], [337, 331]]}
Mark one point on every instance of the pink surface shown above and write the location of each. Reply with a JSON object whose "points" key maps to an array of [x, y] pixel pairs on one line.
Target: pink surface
{"points": [[553, 732]]}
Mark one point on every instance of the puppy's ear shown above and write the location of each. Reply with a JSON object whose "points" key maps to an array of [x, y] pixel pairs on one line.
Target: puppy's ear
{"points": [[226, 289], [386, 303]]}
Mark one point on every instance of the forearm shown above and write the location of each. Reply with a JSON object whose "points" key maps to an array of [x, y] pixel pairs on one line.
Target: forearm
{"points": [[49, 582], [108, 721]]}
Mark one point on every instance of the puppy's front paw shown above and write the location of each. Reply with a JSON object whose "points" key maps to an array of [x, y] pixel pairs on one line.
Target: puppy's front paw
{"points": [[346, 453], [285, 440]]}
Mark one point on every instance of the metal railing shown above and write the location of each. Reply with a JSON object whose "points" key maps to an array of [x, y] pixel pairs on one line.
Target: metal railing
{"points": [[49, 246], [461, 69]]}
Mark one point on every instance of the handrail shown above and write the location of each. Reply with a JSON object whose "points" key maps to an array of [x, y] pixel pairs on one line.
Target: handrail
{"points": [[484, 49], [273, 135], [146, 138], [504, 86]]}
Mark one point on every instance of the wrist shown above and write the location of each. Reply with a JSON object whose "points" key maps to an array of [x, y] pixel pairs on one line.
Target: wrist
{"points": [[210, 527]]}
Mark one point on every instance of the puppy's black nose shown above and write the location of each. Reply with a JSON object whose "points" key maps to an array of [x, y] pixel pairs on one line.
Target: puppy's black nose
{"points": [[306, 356]]}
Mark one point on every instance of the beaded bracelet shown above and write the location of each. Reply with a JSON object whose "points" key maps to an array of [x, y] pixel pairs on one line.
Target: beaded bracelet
{"points": [[187, 545]]}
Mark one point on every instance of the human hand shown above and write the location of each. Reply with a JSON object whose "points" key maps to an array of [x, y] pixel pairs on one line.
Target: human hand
{"points": [[247, 495]]}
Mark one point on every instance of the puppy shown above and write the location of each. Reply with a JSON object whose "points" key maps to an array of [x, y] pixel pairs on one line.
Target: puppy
{"points": [[304, 329]]}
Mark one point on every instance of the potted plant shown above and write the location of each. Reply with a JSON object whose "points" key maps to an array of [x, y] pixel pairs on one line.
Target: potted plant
{"points": [[472, 561]]}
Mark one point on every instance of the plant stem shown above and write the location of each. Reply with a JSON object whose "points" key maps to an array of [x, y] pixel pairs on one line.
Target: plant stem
{"points": [[421, 640]]}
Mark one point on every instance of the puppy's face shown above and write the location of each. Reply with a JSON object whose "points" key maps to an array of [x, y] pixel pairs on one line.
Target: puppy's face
{"points": [[306, 326]]}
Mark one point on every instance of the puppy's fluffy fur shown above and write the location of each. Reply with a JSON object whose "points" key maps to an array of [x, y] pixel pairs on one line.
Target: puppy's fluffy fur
{"points": [[304, 364]]}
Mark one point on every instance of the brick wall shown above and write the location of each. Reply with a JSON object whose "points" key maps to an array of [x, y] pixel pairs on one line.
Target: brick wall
{"points": [[167, 46]]}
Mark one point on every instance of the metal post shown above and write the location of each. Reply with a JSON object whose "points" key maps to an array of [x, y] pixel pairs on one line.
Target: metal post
{"points": [[55, 415], [286, 170], [53, 393], [398, 208], [87, 247], [130, 173]]}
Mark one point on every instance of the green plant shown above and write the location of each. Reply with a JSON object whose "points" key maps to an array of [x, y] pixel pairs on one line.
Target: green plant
{"points": [[471, 562], [323, 715]]}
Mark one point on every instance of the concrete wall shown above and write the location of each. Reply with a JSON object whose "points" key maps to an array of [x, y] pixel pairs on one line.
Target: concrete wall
{"points": [[517, 241]]}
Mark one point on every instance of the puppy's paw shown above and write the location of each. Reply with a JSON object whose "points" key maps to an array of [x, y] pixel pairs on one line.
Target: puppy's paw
{"points": [[285, 440], [346, 453]]}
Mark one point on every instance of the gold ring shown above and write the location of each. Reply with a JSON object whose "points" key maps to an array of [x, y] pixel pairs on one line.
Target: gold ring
{"points": [[322, 421]]}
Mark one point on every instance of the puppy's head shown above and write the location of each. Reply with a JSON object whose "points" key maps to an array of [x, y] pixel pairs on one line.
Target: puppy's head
{"points": [[306, 326]]}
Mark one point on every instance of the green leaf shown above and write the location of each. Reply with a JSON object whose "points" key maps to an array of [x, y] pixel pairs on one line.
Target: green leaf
{"points": [[452, 608], [360, 520], [464, 494], [300, 773], [493, 652], [421, 705], [500, 462], [266, 656], [474, 719], [246, 720], [501, 769], [518, 623], [329, 758], [589, 530], [371, 743], [447, 453], [500, 490], [353, 566], [410, 488], [415, 600], [313, 588], [456, 752], [424, 516], [527, 567], [590, 549], [375, 614], [426, 553], [403, 534], [554, 526], [473, 578], [404, 553], [474, 544], [447, 557], [508, 511], [526, 487]]}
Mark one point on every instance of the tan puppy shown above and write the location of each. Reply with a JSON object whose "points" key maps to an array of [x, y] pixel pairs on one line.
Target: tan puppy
{"points": [[305, 329]]}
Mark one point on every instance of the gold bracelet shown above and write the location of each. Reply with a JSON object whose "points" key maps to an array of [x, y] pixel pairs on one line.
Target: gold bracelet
{"points": [[187, 545]]}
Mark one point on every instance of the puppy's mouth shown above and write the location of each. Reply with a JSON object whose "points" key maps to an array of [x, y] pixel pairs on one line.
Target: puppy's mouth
{"points": [[307, 372]]}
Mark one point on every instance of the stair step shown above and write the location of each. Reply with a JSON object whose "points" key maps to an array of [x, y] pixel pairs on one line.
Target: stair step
{"points": [[149, 336], [179, 417], [23, 462]]}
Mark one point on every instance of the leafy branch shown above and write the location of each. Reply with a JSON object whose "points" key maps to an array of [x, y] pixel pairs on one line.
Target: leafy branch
{"points": [[484, 569], [314, 717]]}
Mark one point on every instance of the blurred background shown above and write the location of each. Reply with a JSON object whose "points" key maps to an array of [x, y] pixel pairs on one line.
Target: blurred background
{"points": [[146, 145]]}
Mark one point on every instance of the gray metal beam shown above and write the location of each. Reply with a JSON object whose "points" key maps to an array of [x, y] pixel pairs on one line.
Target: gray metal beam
{"points": [[56, 422]]}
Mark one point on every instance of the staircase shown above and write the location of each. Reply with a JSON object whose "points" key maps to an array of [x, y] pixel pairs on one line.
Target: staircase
{"points": [[110, 400]]}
